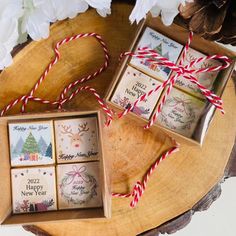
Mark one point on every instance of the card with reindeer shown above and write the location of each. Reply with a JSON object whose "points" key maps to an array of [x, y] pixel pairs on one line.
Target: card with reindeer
{"points": [[33, 189], [76, 139], [206, 79], [78, 185], [31, 143]]}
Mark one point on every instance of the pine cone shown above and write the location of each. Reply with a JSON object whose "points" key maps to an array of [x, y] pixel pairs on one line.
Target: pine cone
{"points": [[212, 19]]}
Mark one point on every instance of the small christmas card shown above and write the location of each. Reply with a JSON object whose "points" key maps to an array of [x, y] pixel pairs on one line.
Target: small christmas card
{"points": [[132, 85], [33, 189], [206, 79], [31, 143], [76, 139], [181, 112], [79, 185], [164, 46]]}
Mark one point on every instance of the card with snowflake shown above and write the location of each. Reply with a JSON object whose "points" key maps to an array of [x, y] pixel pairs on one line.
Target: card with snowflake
{"points": [[164, 46], [31, 143], [76, 139], [132, 85], [33, 189], [181, 112], [79, 185]]}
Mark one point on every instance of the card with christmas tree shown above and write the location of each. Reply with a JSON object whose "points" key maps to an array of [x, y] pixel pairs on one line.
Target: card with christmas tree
{"points": [[33, 189], [76, 139], [164, 46], [79, 185], [31, 143], [132, 85]]}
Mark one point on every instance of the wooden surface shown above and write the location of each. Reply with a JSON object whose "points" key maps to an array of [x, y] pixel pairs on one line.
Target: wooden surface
{"points": [[180, 181], [184, 219]]}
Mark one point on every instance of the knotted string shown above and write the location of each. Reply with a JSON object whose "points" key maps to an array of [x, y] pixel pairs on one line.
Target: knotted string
{"points": [[140, 186], [186, 72]]}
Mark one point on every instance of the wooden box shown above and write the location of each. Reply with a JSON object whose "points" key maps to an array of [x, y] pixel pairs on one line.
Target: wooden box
{"points": [[180, 35], [6, 216]]}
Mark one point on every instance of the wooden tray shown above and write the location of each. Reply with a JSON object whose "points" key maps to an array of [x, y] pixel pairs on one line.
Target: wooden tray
{"points": [[180, 181]]}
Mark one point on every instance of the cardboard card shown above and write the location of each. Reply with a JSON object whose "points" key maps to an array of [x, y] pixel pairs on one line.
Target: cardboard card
{"points": [[206, 79], [31, 143], [181, 112], [33, 189], [132, 85], [76, 139], [164, 46], [79, 185]]}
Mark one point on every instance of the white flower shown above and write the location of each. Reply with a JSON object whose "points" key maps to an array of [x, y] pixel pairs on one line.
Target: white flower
{"points": [[103, 7], [62, 9], [141, 8], [34, 21], [10, 11], [168, 9], [39, 13], [18, 18]]}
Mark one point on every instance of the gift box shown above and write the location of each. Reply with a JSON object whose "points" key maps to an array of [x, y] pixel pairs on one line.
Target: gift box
{"points": [[186, 114], [53, 168]]}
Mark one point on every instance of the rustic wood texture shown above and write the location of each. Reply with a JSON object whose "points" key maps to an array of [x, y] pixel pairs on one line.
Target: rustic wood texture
{"points": [[184, 219], [180, 181]]}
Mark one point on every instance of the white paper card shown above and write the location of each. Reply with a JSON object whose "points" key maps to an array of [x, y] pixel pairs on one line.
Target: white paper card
{"points": [[163, 45], [206, 79], [31, 143], [132, 85], [181, 112], [79, 185], [33, 189], [76, 139]]}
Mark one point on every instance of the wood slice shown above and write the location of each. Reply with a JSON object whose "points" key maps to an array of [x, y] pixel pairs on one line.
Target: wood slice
{"points": [[179, 182]]}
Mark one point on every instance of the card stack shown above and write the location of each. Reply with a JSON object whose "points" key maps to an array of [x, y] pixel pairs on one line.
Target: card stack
{"points": [[55, 164], [184, 105]]}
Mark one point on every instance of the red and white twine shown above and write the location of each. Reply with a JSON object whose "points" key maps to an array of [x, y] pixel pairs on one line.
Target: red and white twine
{"points": [[143, 53], [187, 72], [140, 186], [62, 99]]}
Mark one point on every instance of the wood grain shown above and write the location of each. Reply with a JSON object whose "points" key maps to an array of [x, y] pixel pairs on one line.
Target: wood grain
{"points": [[178, 184], [184, 219]]}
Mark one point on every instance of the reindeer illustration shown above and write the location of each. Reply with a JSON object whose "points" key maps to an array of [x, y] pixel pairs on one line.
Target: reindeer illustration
{"points": [[75, 138]]}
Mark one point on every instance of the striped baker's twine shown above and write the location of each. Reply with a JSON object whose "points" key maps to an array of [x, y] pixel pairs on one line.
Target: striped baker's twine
{"points": [[91, 76], [153, 57], [140, 186], [25, 98]]}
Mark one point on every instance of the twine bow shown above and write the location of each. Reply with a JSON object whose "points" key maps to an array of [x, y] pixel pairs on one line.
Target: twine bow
{"points": [[79, 172], [186, 72]]}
